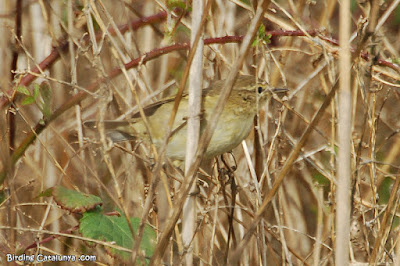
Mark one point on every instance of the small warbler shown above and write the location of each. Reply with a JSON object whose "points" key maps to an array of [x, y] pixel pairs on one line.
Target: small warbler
{"points": [[233, 125]]}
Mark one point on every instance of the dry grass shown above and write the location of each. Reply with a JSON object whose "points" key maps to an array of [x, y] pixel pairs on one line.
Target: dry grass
{"points": [[285, 175]]}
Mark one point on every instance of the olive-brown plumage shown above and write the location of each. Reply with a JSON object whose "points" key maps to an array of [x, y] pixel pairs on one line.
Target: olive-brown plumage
{"points": [[233, 126]]}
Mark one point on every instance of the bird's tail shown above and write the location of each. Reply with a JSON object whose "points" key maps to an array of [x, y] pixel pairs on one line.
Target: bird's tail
{"points": [[114, 129]]}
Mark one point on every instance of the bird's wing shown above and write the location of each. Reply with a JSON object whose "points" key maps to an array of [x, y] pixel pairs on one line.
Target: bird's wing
{"points": [[152, 108]]}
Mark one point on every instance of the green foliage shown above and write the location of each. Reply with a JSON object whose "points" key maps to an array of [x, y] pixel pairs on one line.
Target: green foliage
{"points": [[75, 201], [23, 90], [321, 179], [384, 190], [44, 90], [246, 2], [396, 20], [353, 5], [262, 38], [46, 193], [95, 224], [336, 149], [78, 15], [46, 93], [171, 4], [29, 98], [115, 229]]}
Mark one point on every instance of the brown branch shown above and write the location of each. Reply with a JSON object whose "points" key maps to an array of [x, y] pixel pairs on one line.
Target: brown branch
{"points": [[206, 136], [298, 33], [48, 239], [11, 115], [288, 163], [388, 216], [282, 174], [55, 52], [79, 97], [147, 57], [135, 24], [68, 231]]}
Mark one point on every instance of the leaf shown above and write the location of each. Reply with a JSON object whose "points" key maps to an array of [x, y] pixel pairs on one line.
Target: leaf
{"points": [[115, 229], [262, 37], [46, 193], [75, 201], [46, 93], [384, 190], [321, 179], [172, 4], [28, 100], [36, 90], [23, 90], [336, 149]]}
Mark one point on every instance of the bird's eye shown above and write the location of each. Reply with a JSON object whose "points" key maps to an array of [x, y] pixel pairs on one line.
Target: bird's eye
{"points": [[260, 89]]}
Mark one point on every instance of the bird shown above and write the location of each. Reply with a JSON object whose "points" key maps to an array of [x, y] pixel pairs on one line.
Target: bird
{"points": [[234, 124]]}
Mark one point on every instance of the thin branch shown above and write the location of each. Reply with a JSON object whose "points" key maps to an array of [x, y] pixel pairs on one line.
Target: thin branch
{"points": [[56, 51], [385, 227], [206, 137]]}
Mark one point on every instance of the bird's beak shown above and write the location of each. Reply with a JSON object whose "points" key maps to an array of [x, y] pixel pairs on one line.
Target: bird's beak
{"points": [[279, 90]]}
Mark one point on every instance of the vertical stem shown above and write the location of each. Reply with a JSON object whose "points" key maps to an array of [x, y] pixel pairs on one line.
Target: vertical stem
{"points": [[74, 80], [18, 31], [386, 225], [344, 135], [206, 136], [11, 114], [189, 216]]}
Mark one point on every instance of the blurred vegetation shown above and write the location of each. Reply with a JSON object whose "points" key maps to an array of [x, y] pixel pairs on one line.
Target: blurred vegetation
{"points": [[80, 79]]}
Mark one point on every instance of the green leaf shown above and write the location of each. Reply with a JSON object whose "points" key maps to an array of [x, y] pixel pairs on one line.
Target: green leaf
{"points": [[28, 100], [184, 5], [336, 149], [23, 90], [384, 190], [262, 37], [36, 87], [75, 201], [46, 193], [115, 229], [396, 20], [321, 179], [267, 38], [46, 93], [36, 90]]}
